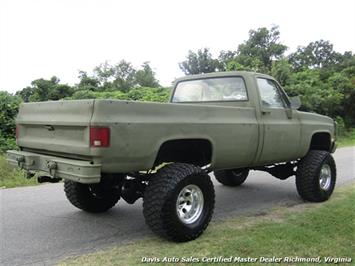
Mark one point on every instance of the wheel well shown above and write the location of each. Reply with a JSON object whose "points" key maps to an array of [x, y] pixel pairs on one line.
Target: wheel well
{"points": [[320, 141], [193, 151]]}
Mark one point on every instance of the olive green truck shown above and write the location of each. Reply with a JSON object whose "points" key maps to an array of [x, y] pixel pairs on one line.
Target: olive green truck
{"points": [[226, 122]]}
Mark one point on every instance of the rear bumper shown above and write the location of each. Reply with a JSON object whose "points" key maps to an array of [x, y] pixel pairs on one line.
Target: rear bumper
{"points": [[56, 167]]}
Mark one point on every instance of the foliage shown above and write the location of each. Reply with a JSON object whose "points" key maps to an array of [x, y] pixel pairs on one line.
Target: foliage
{"points": [[316, 96], [86, 82], [324, 78], [8, 143], [226, 61], [281, 71], [9, 105], [26, 93], [315, 55], [104, 74], [124, 76], [347, 138], [258, 53], [149, 94], [261, 49], [44, 90], [199, 62], [12, 177], [121, 76], [341, 129], [136, 94], [82, 94], [145, 77]]}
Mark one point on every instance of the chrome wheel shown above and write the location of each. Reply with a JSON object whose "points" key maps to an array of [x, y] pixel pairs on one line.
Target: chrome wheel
{"points": [[325, 177], [189, 204]]}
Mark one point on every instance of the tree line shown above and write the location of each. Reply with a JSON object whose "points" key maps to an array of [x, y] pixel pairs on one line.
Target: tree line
{"points": [[323, 78]]}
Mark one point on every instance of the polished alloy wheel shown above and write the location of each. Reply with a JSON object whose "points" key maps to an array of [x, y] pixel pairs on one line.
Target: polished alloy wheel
{"points": [[189, 204], [325, 177]]}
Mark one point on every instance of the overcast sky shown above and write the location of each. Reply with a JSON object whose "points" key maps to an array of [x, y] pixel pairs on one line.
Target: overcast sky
{"points": [[42, 38]]}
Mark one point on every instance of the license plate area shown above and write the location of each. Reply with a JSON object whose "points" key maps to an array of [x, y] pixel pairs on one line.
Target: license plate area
{"points": [[57, 167]]}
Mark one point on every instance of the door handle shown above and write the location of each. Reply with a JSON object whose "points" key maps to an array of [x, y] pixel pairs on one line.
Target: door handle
{"points": [[265, 112], [49, 127]]}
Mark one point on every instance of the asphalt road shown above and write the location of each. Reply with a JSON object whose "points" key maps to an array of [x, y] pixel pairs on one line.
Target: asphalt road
{"points": [[40, 227]]}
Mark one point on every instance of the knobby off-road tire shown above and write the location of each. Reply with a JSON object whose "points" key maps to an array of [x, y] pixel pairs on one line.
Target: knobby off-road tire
{"points": [[172, 196], [316, 176], [231, 178], [91, 198]]}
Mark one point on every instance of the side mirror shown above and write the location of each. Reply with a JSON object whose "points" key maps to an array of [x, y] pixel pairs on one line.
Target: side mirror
{"points": [[295, 102]]}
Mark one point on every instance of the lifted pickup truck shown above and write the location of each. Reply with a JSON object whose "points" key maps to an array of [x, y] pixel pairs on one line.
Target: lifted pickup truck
{"points": [[227, 122]]}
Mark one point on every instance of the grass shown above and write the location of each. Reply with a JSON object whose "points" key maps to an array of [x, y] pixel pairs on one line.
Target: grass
{"points": [[10, 177], [306, 230], [348, 139]]}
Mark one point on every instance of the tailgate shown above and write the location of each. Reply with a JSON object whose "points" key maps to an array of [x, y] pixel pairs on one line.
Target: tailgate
{"points": [[60, 126]]}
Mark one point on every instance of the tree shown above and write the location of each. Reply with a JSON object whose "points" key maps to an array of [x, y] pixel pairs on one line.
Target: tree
{"points": [[104, 73], [44, 90], [316, 95], [198, 63], [124, 76], [226, 60], [318, 54], [345, 84], [281, 70], [145, 77], [60, 91], [9, 105], [49, 89], [262, 47], [87, 83], [26, 93], [120, 76], [82, 94]]}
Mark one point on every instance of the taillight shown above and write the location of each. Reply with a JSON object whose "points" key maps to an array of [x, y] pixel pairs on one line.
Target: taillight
{"points": [[99, 137]]}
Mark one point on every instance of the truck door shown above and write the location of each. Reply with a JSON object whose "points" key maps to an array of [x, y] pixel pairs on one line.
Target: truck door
{"points": [[281, 126]]}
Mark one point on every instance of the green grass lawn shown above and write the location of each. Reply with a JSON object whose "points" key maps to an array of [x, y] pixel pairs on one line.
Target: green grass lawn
{"points": [[306, 230], [10, 177]]}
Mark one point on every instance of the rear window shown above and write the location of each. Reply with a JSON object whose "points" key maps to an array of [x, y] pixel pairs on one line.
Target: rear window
{"points": [[211, 90]]}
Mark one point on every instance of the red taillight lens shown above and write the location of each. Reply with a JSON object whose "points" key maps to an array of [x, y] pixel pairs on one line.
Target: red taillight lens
{"points": [[99, 137]]}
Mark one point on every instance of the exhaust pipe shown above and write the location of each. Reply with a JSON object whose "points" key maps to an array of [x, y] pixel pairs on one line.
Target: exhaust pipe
{"points": [[48, 179]]}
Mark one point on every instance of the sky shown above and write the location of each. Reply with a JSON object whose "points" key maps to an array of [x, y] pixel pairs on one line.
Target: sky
{"points": [[42, 38]]}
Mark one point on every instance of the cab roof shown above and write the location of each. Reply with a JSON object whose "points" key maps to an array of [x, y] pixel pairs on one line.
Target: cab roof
{"points": [[222, 74]]}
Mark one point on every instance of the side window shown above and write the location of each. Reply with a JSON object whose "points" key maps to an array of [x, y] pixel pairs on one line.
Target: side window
{"points": [[270, 96]]}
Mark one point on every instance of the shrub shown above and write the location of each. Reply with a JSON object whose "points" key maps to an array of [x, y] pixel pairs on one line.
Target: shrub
{"points": [[7, 144]]}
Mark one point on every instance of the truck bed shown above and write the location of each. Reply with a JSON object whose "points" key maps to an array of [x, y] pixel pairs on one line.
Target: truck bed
{"points": [[138, 129]]}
